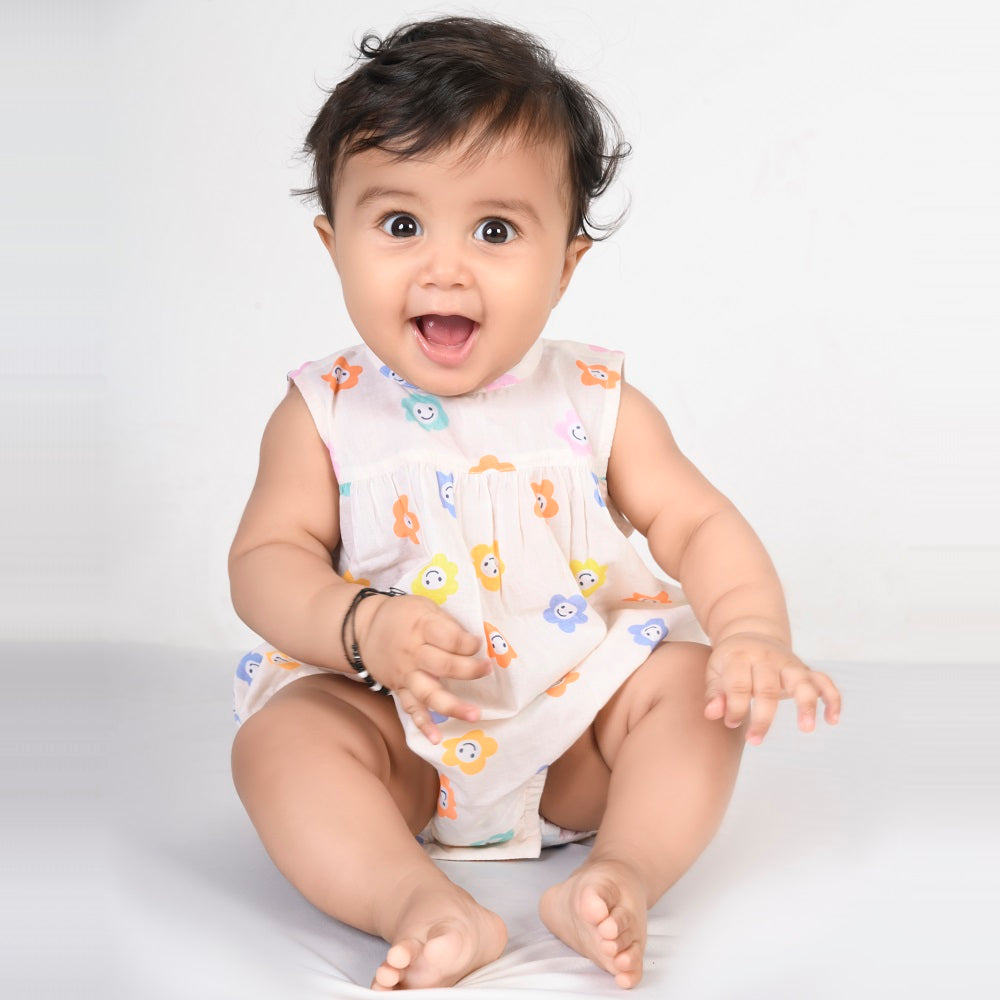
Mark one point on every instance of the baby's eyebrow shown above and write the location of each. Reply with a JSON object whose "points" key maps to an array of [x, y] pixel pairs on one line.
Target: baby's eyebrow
{"points": [[375, 192], [513, 205]]}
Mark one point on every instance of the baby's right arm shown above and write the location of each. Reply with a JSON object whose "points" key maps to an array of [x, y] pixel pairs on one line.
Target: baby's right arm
{"points": [[285, 588]]}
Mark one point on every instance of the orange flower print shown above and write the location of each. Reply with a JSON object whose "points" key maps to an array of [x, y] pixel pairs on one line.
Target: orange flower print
{"points": [[277, 659], [446, 800], [661, 598], [598, 375], [559, 689], [489, 565], [545, 503], [342, 375], [469, 752], [407, 525], [490, 463], [360, 580], [589, 575], [436, 580], [497, 647]]}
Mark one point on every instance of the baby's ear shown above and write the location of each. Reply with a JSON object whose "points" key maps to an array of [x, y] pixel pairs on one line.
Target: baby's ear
{"points": [[326, 234], [575, 250]]}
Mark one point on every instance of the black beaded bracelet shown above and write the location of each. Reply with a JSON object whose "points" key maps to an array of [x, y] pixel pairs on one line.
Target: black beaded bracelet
{"points": [[352, 652]]}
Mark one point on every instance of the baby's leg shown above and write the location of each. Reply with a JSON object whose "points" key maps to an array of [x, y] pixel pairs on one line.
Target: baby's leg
{"points": [[655, 778], [336, 796]]}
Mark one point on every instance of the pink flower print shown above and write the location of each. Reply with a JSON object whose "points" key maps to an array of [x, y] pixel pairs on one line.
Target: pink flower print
{"points": [[572, 430]]}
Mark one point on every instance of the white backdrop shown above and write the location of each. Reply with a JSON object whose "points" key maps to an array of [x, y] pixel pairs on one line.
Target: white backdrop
{"points": [[806, 286]]}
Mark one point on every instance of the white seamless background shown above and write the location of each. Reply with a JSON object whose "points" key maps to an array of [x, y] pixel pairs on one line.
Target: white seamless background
{"points": [[806, 286]]}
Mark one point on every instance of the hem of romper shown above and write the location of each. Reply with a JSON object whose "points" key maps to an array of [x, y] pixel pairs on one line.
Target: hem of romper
{"points": [[526, 842]]}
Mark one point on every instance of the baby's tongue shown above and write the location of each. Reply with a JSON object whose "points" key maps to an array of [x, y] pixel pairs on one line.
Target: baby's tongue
{"points": [[446, 331]]}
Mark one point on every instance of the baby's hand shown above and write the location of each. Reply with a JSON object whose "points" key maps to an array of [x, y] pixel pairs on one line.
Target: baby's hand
{"points": [[410, 644], [750, 666]]}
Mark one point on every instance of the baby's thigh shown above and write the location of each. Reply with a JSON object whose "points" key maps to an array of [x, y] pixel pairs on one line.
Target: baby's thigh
{"points": [[671, 682], [311, 729]]}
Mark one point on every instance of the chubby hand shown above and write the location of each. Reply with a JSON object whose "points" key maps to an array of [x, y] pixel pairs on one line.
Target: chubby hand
{"points": [[410, 645], [749, 673]]}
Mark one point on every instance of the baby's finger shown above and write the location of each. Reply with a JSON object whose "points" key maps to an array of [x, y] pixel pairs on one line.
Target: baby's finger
{"points": [[440, 663], [739, 687], [420, 714], [443, 631], [830, 695], [804, 691], [430, 694], [765, 705]]}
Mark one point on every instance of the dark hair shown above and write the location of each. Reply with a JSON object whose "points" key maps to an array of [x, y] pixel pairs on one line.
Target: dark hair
{"points": [[429, 83]]}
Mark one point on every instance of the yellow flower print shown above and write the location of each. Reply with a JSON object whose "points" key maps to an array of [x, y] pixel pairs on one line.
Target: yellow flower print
{"points": [[491, 462], [589, 575], [277, 659], [469, 752], [559, 689], [489, 565], [436, 580]]}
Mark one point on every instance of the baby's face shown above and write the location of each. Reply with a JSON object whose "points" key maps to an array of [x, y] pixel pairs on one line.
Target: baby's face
{"points": [[450, 266]]}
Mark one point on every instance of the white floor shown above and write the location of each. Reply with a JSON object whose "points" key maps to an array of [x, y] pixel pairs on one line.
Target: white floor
{"points": [[860, 862]]}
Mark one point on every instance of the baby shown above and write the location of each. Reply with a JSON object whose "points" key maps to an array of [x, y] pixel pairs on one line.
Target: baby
{"points": [[465, 657]]}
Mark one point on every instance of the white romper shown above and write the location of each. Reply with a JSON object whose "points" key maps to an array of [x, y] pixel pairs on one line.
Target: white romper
{"points": [[494, 505]]}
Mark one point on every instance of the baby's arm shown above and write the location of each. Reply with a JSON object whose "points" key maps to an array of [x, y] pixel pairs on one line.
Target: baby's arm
{"points": [[285, 588], [700, 539]]}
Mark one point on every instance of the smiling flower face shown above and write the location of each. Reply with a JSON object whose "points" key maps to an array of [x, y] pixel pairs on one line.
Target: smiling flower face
{"points": [[649, 633], [469, 752], [590, 575], [437, 580], [497, 647], [426, 412], [489, 565], [342, 375], [566, 612]]}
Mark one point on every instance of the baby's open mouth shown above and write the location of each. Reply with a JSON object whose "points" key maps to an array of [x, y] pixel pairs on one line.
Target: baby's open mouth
{"points": [[445, 331]]}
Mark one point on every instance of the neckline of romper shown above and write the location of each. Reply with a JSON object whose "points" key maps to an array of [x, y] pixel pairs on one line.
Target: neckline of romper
{"points": [[523, 370]]}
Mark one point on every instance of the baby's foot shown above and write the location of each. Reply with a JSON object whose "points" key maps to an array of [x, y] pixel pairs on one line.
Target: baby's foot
{"points": [[440, 938], [600, 911]]}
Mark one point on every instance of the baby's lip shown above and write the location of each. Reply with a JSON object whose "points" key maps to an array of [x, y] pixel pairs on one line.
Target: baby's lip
{"points": [[445, 339]]}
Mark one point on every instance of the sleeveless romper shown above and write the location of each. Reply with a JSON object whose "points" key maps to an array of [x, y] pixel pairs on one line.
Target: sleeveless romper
{"points": [[494, 505]]}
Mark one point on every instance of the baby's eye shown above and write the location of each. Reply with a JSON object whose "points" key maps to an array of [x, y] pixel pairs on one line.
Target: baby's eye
{"points": [[401, 225], [495, 231]]}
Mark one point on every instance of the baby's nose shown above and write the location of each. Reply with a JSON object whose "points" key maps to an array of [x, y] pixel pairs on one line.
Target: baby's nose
{"points": [[445, 264]]}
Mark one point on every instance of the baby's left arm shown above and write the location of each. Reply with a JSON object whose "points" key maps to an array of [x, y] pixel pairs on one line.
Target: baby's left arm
{"points": [[701, 540]]}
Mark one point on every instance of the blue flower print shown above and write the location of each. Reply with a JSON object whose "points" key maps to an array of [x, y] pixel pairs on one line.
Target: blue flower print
{"points": [[437, 718], [597, 492], [248, 667], [426, 412], [393, 377], [566, 612], [650, 633], [446, 490]]}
